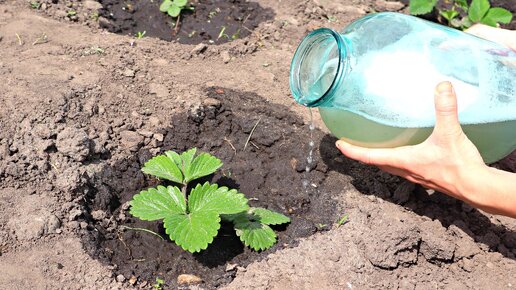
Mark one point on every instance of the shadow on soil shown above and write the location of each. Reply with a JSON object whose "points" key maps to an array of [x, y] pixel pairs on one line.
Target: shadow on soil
{"points": [[449, 211], [270, 171]]}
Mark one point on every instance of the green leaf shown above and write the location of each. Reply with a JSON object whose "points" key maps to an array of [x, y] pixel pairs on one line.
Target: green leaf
{"points": [[463, 4], [191, 167], [174, 10], [202, 165], [187, 157], [253, 227], [157, 203], [466, 23], [211, 198], [180, 3], [165, 5], [255, 235], [269, 217], [497, 15], [419, 7], [342, 220], [478, 9], [194, 231], [175, 157], [449, 14], [488, 21], [163, 167]]}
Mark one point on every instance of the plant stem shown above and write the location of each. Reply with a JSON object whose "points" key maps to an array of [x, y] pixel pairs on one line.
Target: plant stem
{"points": [[183, 191], [176, 27]]}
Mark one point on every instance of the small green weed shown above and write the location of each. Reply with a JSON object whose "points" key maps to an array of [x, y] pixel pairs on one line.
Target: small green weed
{"points": [[140, 34], [159, 284], [192, 216], [480, 11], [342, 220], [35, 5], [94, 16], [71, 13]]}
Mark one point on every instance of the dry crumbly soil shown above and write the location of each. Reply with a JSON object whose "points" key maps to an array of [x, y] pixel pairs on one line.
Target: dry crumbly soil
{"points": [[81, 110]]}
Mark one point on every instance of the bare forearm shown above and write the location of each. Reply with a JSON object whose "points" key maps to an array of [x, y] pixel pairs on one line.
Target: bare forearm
{"points": [[490, 189]]}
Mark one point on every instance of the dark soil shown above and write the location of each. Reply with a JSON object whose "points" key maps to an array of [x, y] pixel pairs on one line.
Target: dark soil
{"points": [[82, 111], [270, 172], [213, 21]]}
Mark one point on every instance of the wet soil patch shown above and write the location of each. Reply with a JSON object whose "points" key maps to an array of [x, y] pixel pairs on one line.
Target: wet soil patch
{"points": [[270, 171], [211, 21]]}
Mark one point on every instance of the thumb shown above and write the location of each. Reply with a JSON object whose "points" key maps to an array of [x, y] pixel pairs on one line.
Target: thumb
{"points": [[446, 116]]}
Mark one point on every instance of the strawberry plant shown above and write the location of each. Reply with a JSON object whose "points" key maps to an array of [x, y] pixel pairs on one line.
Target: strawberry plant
{"points": [[192, 216], [479, 11]]}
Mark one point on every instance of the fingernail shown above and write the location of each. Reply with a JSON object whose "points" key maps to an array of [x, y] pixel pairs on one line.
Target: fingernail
{"points": [[339, 144], [445, 88]]}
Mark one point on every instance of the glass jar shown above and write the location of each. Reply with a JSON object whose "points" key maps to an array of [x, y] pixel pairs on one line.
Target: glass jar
{"points": [[374, 82]]}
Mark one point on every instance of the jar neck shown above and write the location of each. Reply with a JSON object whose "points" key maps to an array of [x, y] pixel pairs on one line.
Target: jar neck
{"points": [[319, 65]]}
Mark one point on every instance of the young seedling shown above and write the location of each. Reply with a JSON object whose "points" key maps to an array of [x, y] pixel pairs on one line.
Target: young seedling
{"points": [[480, 11], [71, 13], [140, 35], [95, 16], [159, 284], [342, 220], [35, 5], [221, 33], [192, 216], [174, 7]]}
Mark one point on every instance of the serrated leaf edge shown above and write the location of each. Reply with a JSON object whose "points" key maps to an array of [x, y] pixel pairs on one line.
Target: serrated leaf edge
{"points": [[202, 248], [239, 233]]}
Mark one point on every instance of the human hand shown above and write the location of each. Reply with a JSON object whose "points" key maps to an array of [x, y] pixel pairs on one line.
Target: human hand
{"points": [[436, 163], [446, 161], [502, 36]]}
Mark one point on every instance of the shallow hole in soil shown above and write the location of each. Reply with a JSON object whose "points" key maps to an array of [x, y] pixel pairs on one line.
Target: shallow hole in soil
{"points": [[212, 21], [270, 172]]}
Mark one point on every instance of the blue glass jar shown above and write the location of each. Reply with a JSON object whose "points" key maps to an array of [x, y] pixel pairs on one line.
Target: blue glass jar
{"points": [[374, 82]]}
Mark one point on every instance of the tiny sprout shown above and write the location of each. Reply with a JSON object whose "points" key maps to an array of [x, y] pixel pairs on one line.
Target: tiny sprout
{"points": [[35, 5], [140, 35], [221, 33], [159, 284], [342, 220]]}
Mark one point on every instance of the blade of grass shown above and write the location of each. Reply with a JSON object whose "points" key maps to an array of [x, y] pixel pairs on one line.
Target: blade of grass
{"points": [[251, 134], [142, 230]]}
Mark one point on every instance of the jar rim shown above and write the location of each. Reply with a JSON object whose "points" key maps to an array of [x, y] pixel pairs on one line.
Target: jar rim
{"points": [[299, 93]]}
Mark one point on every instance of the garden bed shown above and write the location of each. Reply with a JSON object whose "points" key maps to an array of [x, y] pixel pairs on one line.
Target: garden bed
{"points": [[210, 21], [270, 171], [82, 110]]}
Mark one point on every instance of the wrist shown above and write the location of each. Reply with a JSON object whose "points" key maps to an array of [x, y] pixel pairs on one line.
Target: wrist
{"points": [[472, 186], [489, 189]]}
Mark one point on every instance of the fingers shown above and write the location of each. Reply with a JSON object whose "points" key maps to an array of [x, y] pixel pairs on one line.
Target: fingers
{"points": [[446, 116], [502, 36], [370, 156]]}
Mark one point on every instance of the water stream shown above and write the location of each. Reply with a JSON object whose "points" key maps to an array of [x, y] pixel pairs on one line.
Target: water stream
{"points": [[310, 157]]}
